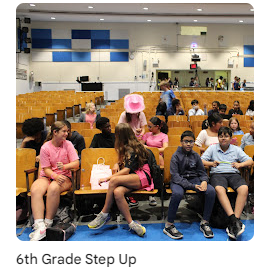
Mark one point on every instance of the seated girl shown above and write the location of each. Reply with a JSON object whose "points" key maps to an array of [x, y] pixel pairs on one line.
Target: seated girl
{"points": [[235, 126], [91, 115]]}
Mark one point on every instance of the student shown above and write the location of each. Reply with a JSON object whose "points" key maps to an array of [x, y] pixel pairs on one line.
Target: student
{"points": [[162, 109], [187, 172], [250, 109], [225, 159], [196, 109], [133, 114], [91, 115], [106, 138], [210, 135], [248, 138], [222, 111], [236, 109], [176, 108], [215, 107], [133, 173], [168, 95], [76, 138], [35, 135], [235, 126], [57, 157], [157, 137]]}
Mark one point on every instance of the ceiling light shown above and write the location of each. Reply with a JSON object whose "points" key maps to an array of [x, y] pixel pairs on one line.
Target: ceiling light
{"points": [[52, 18], [252, 9], [90, 7], [199, 9], [101, 19], [149, 20], [32, 5], [145, 8], [241, 21], [195, 20]]}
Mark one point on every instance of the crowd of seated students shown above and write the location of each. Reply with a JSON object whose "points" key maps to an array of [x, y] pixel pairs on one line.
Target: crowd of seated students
{"points": [[131, 140]]}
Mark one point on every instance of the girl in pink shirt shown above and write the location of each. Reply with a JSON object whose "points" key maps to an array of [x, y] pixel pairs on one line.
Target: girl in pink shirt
{"points": [[57, 157], [157, 137]]}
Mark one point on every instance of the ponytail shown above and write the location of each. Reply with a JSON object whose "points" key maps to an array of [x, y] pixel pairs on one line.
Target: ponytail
{"points": [[55, 126]]}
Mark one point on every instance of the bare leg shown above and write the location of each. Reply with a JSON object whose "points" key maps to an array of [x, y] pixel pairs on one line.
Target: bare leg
{"points": [[38, 189], [242, 193], [53, 197], [130, 181], [224, 200]]}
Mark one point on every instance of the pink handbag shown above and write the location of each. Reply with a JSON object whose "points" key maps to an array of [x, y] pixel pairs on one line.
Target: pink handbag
{"points": [[100, 171]]}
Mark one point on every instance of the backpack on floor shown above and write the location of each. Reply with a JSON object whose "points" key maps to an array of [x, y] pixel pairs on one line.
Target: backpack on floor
{"points": [[154, 170], [60, 232]]}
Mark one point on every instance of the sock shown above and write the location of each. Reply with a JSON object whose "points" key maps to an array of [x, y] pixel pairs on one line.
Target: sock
{"points": [[38, 220], [131, 223], [48, 222], [203, 221], [232, 217], [104, 214], [167, 224]]}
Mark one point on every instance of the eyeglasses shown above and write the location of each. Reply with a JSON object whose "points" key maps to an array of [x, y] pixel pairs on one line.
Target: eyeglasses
{"points": [[186, 141]]}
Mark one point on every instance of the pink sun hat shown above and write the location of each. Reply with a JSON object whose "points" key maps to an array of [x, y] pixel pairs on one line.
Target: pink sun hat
{"points": [[134, 103]]}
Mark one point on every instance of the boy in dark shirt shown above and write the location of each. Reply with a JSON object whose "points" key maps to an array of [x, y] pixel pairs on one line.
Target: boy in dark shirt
{"points": [[222, 111], [105, 139], [187, 172]]}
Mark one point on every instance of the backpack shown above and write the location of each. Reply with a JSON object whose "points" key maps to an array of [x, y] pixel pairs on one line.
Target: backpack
{"points": [[154, 170]]}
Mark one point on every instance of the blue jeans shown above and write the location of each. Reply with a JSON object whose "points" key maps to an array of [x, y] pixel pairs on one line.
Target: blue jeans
{"points": [[178, 193]]}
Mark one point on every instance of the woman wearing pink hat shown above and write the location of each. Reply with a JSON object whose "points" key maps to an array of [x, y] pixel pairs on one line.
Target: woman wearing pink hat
{"points": [[133, 114]]}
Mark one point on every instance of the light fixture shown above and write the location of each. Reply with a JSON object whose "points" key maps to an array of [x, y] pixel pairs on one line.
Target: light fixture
{"points": [[199, 9], [52, 18], [32, 5], [101, 19], [145, 8], [241, 21], [149, 20], [252, 9], [90, 7], [195, 20]]}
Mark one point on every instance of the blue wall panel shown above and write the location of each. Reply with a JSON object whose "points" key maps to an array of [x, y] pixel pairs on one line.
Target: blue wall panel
{"points": [[100, 44], [62, 57], [61, 43], [119, 56], [41, 33], [81, 56], [42, 43], [100, 34], [248, 49], [249, 62], [119, 44], [81, 34]]}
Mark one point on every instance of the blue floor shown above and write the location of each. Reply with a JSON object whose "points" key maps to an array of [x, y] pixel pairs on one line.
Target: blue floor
{"points": [[154, 232]]}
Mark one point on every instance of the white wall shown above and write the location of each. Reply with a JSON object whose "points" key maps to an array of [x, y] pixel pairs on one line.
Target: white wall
{"points": [[147, 42]]}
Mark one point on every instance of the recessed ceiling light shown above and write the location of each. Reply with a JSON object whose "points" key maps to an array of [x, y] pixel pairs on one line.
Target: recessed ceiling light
{"points": [[195, 20], [199, 9], [101, 19], [252, 9], [149, 20], [32, 5], [145, 8], [52, 18], [241, 21], [90, 7]]}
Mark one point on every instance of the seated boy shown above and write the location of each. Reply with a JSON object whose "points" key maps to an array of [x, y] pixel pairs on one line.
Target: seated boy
{"points": [[222, 111], [187, 172], [248, 138], [215, 107], [196, 109], [105, 139], [224, 158]]}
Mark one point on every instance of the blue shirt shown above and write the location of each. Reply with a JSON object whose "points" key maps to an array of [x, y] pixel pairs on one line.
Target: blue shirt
{"points": [[247, 139], [238, 132], [233, 154], [167, 97]]}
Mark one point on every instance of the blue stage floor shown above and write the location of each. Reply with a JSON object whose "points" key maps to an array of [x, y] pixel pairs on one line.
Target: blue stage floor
{"points": [[154, 232]]}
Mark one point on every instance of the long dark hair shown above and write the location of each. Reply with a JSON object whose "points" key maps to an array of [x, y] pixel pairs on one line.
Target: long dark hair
{"points": [[251, 105], [126, 143], [157, 122], [214, 117], [128, 116]]}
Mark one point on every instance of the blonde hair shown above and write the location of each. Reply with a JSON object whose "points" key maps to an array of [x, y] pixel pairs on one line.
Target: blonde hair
{"points": [[56, 126], [237, 121], [88, 107]]}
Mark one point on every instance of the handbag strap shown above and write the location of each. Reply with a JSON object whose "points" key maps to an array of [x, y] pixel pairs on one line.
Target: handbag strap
{"points": [[101, 163]]}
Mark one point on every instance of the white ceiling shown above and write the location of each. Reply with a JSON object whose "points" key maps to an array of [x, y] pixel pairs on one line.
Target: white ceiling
{"points": [[134, 13]]}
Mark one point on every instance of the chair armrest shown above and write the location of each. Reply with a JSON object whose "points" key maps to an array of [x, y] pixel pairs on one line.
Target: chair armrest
{"points": [[30, 170], [27, 172]]}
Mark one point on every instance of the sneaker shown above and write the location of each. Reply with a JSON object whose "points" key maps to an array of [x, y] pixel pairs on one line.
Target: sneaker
{"points": [[138, 228], [240, 227], [205, 228], [39, 232], [131, 201], [152, 201], [99, 221], [47, 225], [172, 232], [235, 228]]}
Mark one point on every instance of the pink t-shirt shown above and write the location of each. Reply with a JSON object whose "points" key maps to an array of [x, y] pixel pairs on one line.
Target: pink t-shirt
{"points": [[90, 118], [50, 155], [135, 121], [155, 140]]}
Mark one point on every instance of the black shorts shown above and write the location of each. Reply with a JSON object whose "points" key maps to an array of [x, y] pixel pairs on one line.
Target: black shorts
{"points": [[233, 180]]}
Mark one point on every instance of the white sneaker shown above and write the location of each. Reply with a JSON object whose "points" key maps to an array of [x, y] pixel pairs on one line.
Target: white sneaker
{"points": [[47, 225], [39, 233], [152, 201]]}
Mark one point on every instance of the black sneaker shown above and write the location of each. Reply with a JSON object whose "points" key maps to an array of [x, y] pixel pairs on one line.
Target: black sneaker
{"points": [[240, 227], [232, 229], [172, 232], [131, 201], [205, 228]]}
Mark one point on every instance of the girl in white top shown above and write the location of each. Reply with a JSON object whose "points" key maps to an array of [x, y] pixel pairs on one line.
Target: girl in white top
{"points": [[209, 136]]}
